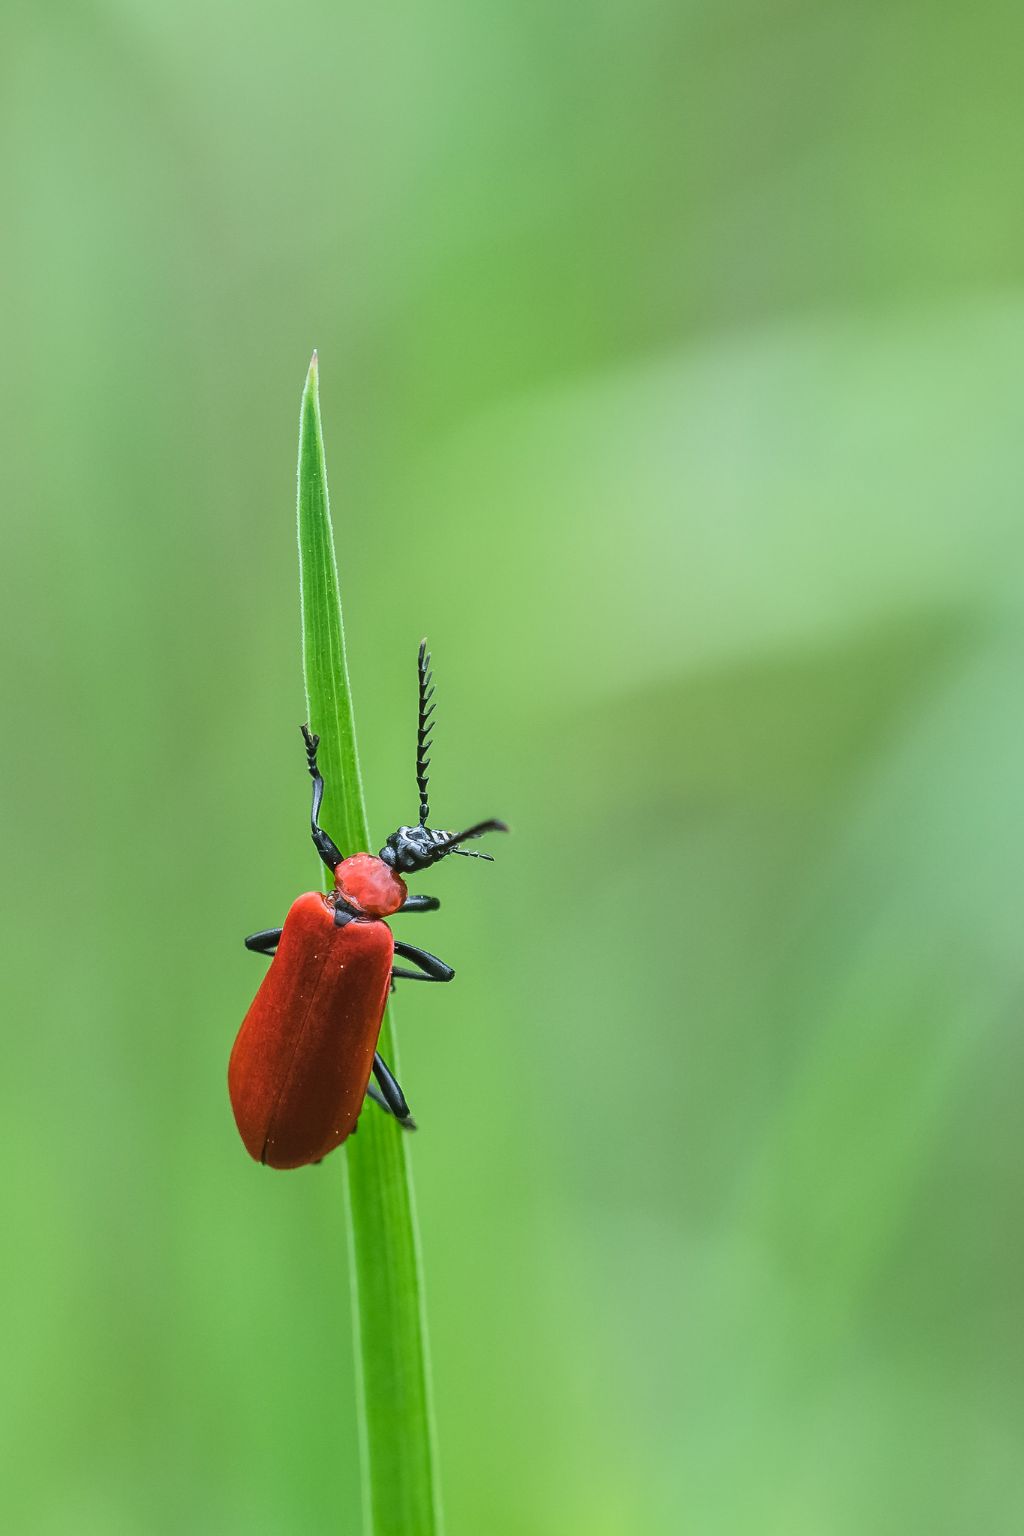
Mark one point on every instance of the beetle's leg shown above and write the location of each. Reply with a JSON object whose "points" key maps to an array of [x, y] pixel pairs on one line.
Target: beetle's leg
{"points": [[420, 904], [327, 850], [430, 967], [390, 1093], [374, 1093], [264, 942]]}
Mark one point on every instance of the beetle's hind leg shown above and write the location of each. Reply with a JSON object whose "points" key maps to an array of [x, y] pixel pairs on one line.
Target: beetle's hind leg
{"points": [[387, 1093], [265, 942], [374, 1093]]}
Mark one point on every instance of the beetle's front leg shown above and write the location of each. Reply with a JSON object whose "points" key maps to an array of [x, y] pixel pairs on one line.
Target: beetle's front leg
{"points": [[420, 904], [430, 967], [325, 847], [265, 942]]}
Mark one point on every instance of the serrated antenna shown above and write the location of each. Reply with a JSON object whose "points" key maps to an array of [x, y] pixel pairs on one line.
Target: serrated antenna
{"points": [[447, 842], [423, 730]]}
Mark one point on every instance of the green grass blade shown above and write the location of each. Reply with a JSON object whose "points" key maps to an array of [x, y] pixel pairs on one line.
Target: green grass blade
{"points": [[399, 1481]]}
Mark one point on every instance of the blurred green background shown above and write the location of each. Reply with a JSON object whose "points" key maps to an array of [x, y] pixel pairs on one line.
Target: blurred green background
{"points": [[671, 374]]}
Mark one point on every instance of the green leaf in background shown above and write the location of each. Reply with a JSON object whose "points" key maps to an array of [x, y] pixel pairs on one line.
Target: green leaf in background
{"points": [[399, 1484]]}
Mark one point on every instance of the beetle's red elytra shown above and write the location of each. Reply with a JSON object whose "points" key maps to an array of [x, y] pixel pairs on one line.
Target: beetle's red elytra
{"points": [[302, 1063], [303, 1057]]}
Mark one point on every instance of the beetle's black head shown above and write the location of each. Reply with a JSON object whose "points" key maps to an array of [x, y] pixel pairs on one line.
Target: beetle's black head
{"points": [[414, 848], [410, 848]]}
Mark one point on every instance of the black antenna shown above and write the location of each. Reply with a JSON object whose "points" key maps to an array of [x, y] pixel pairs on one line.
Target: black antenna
{"points": [[423, 730], [449, 844]]}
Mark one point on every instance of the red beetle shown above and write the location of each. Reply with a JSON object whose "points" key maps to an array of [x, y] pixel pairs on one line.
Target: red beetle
{"points": [[300, 1067]]}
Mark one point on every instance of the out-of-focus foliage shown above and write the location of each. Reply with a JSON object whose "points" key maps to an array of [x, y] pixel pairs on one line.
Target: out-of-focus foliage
{"points": [[671, 370]]}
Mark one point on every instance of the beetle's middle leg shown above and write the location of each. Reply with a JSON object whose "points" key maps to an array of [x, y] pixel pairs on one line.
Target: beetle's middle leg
{"points": [[265, 942], [430, 967], [420, 904]]}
